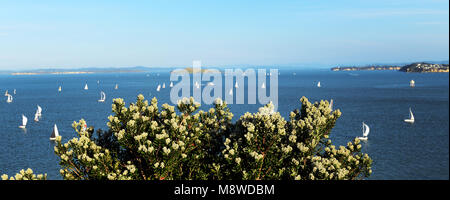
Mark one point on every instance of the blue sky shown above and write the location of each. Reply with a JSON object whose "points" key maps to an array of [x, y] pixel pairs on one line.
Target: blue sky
{"points": [[73, 34]]}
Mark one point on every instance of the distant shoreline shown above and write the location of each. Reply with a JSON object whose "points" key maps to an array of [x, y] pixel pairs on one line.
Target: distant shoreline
{"points": [[421, 67], [75, 72]]}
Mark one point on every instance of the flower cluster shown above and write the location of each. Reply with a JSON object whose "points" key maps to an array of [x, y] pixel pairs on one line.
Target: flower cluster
{"points": [[25, 175]]}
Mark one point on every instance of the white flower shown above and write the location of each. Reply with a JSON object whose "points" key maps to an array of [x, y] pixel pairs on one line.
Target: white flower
{"points": [[267, 109], [166, 150], [218, 101], [175, 146]]}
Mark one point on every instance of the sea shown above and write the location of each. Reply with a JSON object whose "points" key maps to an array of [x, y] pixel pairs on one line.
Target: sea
{"points": [[381, 99]]}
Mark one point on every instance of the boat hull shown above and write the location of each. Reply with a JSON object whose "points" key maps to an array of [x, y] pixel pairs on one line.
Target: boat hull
{"points": [[409, 121], [362, 138]]}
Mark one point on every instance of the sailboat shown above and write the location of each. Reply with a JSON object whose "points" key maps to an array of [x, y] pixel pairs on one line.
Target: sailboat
{"points": [[412, 83], [331, 104], [36, 117], [171, 84], [24, 122], [164, 85], [211, 84], [116, 87], [230, 92], [158, 88], [86, 87], [55, 133], [197, 85], [236, 85], [6, 93], [263, 86], [411, 117], [10, 99], [366, 130], [59, 89], [102, 97], [318, 84], [39, 111], [14, 92]]}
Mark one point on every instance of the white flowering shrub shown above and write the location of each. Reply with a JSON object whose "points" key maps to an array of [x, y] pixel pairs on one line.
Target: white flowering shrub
{"points": [[145, 142], [266, 146], [25, 175]]}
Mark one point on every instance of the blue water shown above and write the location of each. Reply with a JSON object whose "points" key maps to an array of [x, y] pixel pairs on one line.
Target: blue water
{"points": [[379, 98]]}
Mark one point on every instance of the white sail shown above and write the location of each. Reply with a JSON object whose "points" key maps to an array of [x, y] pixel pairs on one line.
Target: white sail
{"points": [[164, 85], [24, 122], [171, 84], [116, 87], [411, 117], [263, 86], [158, 88], [412, 83], [14, 92], [59, 89], [318, 84], [55, 133], [6, 93], [236, 85], [365, 130], [211, 84], [36, 117], [86, 87], [230, 92], [102, 97], [9, 99], [331, 104], [411, 114], [39, 111], [197, 85]]}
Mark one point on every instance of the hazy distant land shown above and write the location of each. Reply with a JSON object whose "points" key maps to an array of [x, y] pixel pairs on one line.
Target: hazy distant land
{"points": [[78, 71], [421, 67], [75, 72]]}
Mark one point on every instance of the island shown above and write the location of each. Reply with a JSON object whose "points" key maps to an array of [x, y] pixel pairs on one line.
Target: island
{"points": [[371, 68], [421, 67], [191, 70], [425, 67], [80, 71]]}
